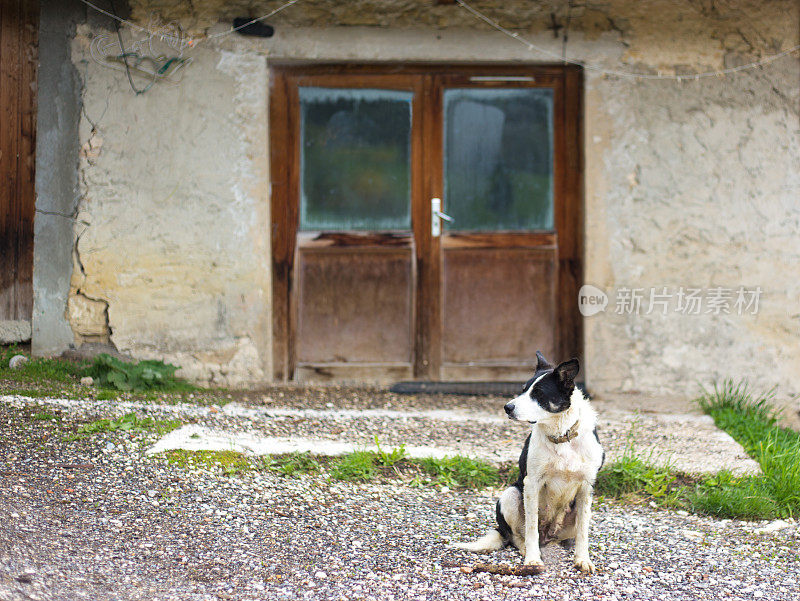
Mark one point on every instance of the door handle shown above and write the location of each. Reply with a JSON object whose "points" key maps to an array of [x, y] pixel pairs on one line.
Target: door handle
{"points": [[437, 216]]}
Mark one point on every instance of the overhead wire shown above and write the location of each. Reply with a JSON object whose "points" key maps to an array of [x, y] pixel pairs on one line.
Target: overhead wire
{"points": [[194, 41], [632, 74]]}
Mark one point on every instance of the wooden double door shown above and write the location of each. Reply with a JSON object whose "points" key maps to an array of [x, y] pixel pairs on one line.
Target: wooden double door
{"points": [[426, 220]]}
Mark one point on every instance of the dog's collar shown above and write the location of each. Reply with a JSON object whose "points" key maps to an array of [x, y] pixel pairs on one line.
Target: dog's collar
{"points": [[567, 436]]}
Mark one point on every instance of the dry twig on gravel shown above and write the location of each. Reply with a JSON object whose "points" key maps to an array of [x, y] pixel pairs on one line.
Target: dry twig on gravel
{"points": [[494, 568]]}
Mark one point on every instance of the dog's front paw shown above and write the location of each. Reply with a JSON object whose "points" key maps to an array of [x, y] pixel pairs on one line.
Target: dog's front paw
{"points": [[584, 565], [535, 563]]}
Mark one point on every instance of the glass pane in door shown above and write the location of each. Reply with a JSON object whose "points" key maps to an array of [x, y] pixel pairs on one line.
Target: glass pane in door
{"points": [[355, 156], [499, 158]]}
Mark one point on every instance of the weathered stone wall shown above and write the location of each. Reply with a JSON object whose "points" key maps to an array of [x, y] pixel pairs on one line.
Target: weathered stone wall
{"points": [[691, 184]]}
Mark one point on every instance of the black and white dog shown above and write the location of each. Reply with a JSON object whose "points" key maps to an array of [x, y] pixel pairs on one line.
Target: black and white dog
{"points": [[552, 499]]}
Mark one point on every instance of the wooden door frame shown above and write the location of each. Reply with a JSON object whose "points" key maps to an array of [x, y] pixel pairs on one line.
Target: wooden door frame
{"points": [[568, 215]]}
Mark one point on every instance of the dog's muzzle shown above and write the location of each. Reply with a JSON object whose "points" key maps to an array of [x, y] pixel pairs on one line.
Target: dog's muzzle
{"points": [[509, 407]]}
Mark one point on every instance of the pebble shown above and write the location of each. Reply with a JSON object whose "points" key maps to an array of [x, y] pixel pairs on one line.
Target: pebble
{"points": [[17, 361], [693, 535], [26, 576], [774, 527], [87, 381]]}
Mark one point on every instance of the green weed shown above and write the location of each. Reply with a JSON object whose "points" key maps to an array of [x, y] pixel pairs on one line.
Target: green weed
{"points": [[389, 458], [358, 466], [725, 495], [130, 422], [33, 393], [110, 372], [38, 376]]}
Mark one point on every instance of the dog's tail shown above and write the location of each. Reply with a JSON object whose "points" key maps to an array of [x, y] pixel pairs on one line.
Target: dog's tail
{"points": [[491, 541]]}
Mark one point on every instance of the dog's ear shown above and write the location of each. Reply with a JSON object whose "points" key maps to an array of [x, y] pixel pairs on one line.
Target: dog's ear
{"points": [[541, 362], [566, 373]]}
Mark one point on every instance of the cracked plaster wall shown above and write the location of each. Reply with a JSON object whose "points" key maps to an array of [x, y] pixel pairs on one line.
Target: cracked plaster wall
{"points": [[689, 184], [173, 248]]}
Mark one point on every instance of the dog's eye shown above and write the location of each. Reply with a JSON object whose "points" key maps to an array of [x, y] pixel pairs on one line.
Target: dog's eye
{"points": [[527, 385]]}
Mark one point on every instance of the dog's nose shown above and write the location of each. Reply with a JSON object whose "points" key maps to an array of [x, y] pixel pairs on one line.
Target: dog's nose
{"points": [[509, 407]]}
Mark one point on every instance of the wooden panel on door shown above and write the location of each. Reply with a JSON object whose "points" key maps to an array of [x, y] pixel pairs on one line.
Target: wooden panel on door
{"points": [[19, 25], [355, 304], [499, 309]]}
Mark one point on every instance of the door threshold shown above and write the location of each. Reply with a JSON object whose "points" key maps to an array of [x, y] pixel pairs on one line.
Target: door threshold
{"points": [[458, 388], [476, 388]]}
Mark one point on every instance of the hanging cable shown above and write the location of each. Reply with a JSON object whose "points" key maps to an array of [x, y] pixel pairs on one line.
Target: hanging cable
{"points": [[125, 56]]}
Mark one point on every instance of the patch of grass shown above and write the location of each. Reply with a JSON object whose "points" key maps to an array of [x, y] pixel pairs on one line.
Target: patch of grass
{"points": [[636, 477], [43, 377], [455, 472], [358, 466], [107, 395], [38, 369], [365, 466], [458, 471], [32, 393], [725, 495], [752, 421], [130, 422], [230, 463], [45, 416], [293, 463]]}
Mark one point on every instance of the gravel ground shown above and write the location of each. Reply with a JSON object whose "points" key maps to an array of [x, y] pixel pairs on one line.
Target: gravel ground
{"points": [[473, 426], [98, 519]]}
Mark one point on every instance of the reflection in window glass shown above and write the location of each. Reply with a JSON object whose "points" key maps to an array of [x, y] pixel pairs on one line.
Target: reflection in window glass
{"points": [[355, 159], [499, 158]]}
